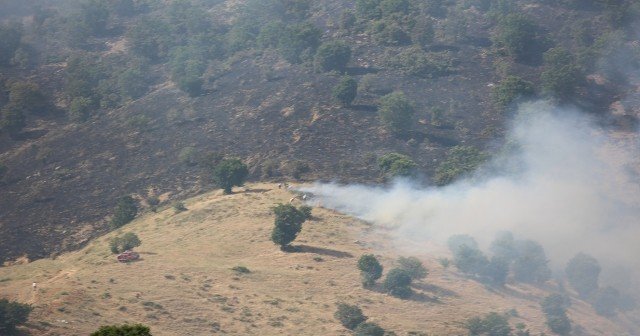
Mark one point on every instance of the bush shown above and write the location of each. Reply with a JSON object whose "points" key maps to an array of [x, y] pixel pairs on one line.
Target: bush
{"points": [[394, 164], [288, 223], [493, 324], [496, 271], [333, 55], [559, 324], [299, 42], [470, 261], [606, 301], [80, 109], [388, 32], [368, 329], [306, 210], [229, 173], [150, 38], [583, 271], [461, 160], [350, 316], [12, 314], [561, 75], [415, 62], [519, 36], [28, 97], [555, 307], [370, 269], [126, 210], [368, 9], [531, 265], [346, 90], [397, 283], [179, 207], [126, 242], [396, 112], [504, 247], [511, 89], [12, 119], [413, 266], [123, 330], [9, 42]]}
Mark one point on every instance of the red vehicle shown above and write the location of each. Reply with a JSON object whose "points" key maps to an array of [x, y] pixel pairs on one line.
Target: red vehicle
{"points": [[128, 255]]}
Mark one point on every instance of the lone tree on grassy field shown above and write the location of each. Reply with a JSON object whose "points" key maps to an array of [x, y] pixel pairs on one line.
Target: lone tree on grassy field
{"points": [[288, 223], [123, 330], [413, 266], [583, 271], [346, 90], [12, 314], [370, 269], [229, 173], [126, 210], [126, 242]]}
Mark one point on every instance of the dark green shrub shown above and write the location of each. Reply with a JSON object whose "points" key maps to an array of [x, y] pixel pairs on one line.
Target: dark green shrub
{"points": [[511, 89], [12, 119], [394, 164], [12, 314], [496, 272], [555, 304], [270, 34], [299, 42], [504, 247], [306, 210], [333, 55], [415, 62], [125, 242], [397, 283], [298, 167], [179, 207], [470, 261], [28, 97], [583, 271], [388, 32], [150, 38], [396, 113], [123, 330], [350, 316], [492, 324], [559, 324], [80, 109], [368, 9], [461, 160], [3, 170], [125, 211], [229, 173], [368, 329], [187, 66], [413, 266], [422, 32], [288, 223], [561, 75], [9, 42], [519, 36], [346, 90], [370, 269]]}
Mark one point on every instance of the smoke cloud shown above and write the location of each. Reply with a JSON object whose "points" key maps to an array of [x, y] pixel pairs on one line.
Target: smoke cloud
{"points": [[564, 181]]}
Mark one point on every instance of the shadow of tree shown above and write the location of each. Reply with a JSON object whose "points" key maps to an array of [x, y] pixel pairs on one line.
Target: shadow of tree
{"points": [[437, 290], [321, 251]]}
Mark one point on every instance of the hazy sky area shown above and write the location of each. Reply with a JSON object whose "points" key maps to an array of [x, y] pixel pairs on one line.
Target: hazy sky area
{"points": [[564, 182]]}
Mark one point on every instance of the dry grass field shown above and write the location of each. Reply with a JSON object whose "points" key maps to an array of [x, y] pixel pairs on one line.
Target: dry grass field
{"points": [[184, 283]]}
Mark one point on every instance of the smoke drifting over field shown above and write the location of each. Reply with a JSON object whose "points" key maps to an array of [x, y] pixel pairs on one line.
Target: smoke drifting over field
{"points": [[564, 182]]}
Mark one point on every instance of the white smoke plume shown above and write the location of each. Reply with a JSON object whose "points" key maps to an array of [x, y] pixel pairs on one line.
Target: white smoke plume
{"points": [[566, 183]]}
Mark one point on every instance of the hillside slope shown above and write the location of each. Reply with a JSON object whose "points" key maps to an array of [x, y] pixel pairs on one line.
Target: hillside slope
{"points": [[184, 284]]}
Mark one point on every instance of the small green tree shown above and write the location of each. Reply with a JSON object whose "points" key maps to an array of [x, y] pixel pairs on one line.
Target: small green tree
{"points": [[333, 55], [511, 89], [122, 243], [461, 160], [346, 90], [229, 173], [126, 210], [531, 265], [370, 269], [80, 109], [368, 329], [561, 75], [288, 223], [396, 112], [555, 307], [123, 330], [12, 119], [10, 36], [394, 164], [583, 271], [413, 266], [12, 314], [492, 324], [519, 35], [397, 283], [350, 316]]}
